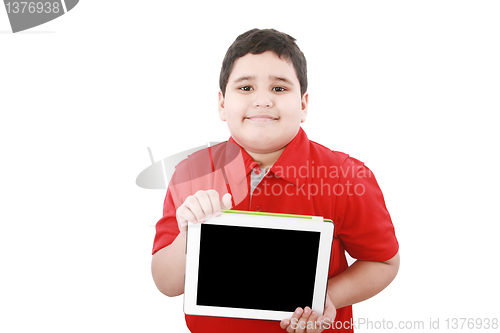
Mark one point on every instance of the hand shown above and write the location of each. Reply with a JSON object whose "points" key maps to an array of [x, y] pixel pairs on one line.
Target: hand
{"points": [[307, 321], [200, 207]]}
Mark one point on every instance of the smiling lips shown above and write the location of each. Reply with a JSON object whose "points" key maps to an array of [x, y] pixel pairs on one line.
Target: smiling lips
{"points": [[261, 118]]}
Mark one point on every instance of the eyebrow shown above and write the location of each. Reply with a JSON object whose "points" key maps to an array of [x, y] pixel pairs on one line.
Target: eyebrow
{"points": [[279, 78], [244, 78], [272, 77]]}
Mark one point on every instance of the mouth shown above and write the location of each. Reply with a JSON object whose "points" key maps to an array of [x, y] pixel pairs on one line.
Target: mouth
{"points": [[261, 118]]}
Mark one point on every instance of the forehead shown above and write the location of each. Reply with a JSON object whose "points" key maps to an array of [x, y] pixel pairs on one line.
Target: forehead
{"points": [[263, 65]]}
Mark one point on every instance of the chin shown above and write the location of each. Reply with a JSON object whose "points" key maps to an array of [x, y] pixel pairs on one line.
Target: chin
{"points": [[253, 143]]}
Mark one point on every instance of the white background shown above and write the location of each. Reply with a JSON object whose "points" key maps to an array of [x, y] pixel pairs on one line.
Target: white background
{"points": [[410, 88]]}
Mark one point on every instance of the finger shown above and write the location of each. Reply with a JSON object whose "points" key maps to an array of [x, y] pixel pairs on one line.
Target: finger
{"points": [[326, 320], [294, 320], [184, 215], [183, 227], [324, 323], [194, 206], [214, 201], [284, 323], [302, 324], [312, 322], [226, 201], [205, 204]]}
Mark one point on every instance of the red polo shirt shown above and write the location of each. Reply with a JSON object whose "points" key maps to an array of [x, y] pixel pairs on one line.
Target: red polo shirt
{"points": [[307, 179]]}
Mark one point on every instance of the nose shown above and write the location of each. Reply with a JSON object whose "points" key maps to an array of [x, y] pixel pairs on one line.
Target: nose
{"points": [[262, 100]]}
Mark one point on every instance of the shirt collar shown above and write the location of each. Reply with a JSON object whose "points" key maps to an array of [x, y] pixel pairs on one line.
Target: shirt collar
{"points": [[247, 159], [291, 165]]}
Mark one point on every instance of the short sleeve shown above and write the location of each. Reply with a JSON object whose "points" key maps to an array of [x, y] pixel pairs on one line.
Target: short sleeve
{"points": [[366, 228], [195, 173], [166, 228]]}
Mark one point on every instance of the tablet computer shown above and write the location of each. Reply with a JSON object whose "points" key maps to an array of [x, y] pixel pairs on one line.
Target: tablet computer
{"points": [[257, 265]]}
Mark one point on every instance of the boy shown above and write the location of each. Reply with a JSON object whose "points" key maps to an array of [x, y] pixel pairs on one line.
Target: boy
{"points": [[264, 99]]}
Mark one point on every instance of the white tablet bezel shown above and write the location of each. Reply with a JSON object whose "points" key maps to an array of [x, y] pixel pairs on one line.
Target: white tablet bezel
{"points": [[325, 227]]}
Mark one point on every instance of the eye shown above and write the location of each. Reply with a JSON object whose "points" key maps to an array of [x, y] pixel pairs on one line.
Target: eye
{"points": [[279, 89], [246, 88]]}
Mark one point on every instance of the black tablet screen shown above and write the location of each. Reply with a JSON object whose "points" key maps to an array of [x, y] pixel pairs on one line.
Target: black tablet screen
{"points": [[256, 268]]}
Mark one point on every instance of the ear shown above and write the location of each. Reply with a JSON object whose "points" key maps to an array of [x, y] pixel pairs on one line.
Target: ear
{"points": [[222, 111], [304, 104]]}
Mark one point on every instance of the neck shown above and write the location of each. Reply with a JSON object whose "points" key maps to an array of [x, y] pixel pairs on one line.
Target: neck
{"points": [[266, 160]]}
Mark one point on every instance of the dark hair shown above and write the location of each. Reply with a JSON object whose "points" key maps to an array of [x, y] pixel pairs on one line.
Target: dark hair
{"points": [[257, 41]]}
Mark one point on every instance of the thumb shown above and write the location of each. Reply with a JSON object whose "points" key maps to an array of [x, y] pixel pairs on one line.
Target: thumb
{"points": [[226, 202], [330, 311]]}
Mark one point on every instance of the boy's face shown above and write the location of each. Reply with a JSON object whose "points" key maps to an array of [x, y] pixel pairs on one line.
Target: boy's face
{"points": [[263, 105]]}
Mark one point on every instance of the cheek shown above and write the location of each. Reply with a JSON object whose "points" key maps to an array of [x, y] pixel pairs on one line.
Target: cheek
{"points": [[234, 110], [293, 113]]}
